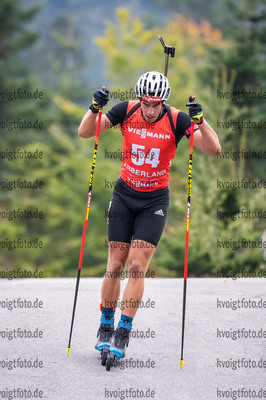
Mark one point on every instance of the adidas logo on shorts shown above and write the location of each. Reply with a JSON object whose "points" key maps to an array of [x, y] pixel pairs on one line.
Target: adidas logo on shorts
{"points": [[159, 212]]}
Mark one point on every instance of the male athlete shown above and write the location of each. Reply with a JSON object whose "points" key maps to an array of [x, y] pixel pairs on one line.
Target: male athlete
{"points": [[137, 213]]}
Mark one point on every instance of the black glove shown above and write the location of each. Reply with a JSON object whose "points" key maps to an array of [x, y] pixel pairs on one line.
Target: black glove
{"points": [[195, 110], [99, 100]]}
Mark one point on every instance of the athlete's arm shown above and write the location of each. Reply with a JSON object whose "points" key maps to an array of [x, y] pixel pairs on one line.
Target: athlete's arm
{"points": [[113, 117], [206, 139], [89, 122]]}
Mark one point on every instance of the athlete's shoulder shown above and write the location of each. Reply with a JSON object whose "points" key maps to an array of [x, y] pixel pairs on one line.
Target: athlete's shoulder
{"points": [[172, 107], [118, 112], [132, 104], [172, 115], [174, 111], [121, 105]]}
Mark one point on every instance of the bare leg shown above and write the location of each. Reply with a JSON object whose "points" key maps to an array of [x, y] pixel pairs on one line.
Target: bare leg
{"points": [[138, 260], [118, 254]]}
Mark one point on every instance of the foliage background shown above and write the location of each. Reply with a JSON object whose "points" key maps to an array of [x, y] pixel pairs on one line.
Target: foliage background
{"points": [[68, 49]]}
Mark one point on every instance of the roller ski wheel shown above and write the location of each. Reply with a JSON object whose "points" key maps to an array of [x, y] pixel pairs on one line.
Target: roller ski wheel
{"points": [[104, 355], [111, 361]]}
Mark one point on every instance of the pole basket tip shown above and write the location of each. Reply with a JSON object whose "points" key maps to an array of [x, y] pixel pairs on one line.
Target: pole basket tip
{"points": [[68, 351], [181, 363]]}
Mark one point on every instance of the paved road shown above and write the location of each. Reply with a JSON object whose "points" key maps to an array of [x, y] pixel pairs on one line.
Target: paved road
{"points": [[152, 363]]}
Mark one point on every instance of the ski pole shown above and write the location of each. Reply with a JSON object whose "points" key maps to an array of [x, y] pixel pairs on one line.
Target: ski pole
{"points": [[191, 98], [85, 224], [168, 50]]}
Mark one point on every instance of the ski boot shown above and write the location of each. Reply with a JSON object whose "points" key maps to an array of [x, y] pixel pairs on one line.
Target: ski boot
{"points": [[105, 335], [118, 346]]}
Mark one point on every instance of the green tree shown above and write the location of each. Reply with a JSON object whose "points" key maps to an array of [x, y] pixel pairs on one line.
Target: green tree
{"points": [[14, 37], [236, 79], [64, 61], [199, 11], [240, 73], [61, 168]]}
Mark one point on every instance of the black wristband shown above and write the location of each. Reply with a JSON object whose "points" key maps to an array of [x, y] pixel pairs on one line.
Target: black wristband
{"points": [[93, 109]]}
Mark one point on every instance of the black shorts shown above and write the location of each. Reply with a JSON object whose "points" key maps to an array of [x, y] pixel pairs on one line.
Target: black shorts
{"points": [[135, 215]]}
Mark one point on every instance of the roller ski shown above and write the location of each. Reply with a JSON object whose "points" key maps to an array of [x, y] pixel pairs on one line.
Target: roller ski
{"points": [[118, 346], [104, 337]]}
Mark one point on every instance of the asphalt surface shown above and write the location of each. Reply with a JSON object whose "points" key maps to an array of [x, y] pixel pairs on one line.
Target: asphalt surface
{"points": [[214, 366]]}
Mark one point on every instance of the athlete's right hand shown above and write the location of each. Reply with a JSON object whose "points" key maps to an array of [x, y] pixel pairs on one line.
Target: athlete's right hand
{"points": [[99, 100]]}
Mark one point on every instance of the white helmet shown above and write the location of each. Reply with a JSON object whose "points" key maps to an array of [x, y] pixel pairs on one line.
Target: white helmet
{"points": [[153, 87]]}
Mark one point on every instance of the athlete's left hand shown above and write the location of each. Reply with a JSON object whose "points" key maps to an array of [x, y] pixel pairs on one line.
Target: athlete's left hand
{"points": [[195, 111]]}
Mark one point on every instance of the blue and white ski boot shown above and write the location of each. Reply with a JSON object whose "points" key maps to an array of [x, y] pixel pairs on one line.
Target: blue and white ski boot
{"points": [[104, 337], [118, 345]]}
